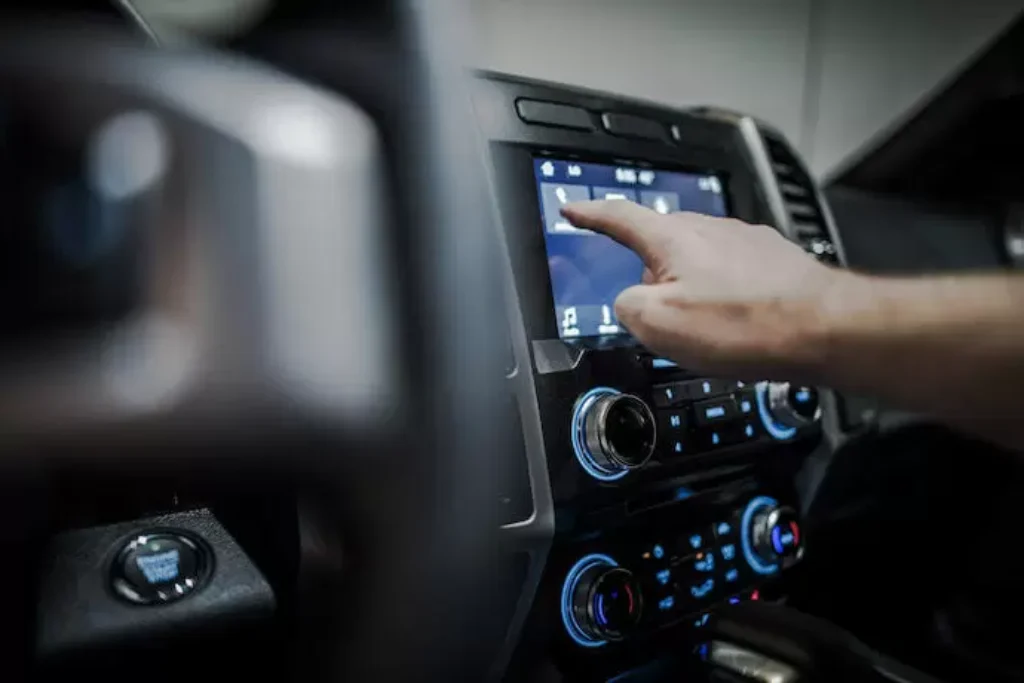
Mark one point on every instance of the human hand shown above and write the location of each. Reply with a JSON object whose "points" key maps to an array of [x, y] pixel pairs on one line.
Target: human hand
{"points": [[718, 295]]}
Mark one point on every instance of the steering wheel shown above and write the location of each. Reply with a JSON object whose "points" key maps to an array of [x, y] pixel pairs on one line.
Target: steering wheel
{"points": [[312, 296]]}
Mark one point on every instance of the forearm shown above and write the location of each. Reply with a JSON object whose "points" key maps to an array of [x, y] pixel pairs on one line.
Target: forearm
{"points": [[950, 347]]}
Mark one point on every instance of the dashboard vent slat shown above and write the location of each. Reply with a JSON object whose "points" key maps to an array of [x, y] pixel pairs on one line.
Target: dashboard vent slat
{"points": [[800, 200]]}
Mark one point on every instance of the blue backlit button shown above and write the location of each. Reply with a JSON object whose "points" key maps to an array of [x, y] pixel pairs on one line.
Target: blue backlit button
{"points": [[725, 529], [728, 552], [676, 447], [735, 600], [673, 427], [705, 388], [672, 422], [746, 402], [702, 620], [160, 566], [693, 541], [704, 563], [749, 431], [715, 411], [669, 395], [663, 576], [657, 551], [732, 575], [702, 589], [666, 604], [710, 438]]}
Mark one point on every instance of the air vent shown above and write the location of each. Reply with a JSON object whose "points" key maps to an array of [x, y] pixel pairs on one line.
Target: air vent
{"points": [[800, 200]]}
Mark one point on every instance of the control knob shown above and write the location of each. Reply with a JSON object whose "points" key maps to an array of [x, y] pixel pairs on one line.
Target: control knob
{"points": [[612, 433], [775, 535], [786, 407], [793, 405], [606, 603]]}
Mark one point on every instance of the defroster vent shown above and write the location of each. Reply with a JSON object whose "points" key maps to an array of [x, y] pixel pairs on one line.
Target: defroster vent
{"points": [[800, 200]]}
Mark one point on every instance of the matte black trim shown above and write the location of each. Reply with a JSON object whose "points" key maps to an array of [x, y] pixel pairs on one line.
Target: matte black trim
{"points": [[553, 114]]}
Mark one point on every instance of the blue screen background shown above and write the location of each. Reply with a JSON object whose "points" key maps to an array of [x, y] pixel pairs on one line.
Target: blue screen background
{"points": [[588, 271]]}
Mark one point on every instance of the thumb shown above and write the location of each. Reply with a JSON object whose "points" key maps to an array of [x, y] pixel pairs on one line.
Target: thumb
{"points": [[659, 326], [631, 304]]}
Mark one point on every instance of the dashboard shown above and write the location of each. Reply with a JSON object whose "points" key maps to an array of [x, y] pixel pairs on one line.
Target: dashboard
{"points": [[657, 493]]}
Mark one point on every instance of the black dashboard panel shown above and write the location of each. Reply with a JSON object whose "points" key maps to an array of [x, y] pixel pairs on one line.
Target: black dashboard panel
{"points": [[670, 491]]}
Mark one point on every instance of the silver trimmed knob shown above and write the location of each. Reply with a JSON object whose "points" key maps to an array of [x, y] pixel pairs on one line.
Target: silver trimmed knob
{"points": [[619, 431], [793, 405], [776, 535]]}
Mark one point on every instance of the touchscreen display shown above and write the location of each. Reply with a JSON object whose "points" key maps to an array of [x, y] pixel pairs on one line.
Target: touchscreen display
{"points": [[589, 270]]}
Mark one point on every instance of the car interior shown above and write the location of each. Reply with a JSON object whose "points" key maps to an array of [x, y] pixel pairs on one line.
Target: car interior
{"points": [[304, 375]]}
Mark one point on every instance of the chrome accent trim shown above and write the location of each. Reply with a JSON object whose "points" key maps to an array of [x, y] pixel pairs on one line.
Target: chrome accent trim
{"points": [[596, 431], [783, 411], [751, 664]]}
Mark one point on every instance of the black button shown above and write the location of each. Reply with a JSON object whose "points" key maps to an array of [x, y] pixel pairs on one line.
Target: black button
{"points": [[706, 388], [714, 437], [552, 114], [726, 530], [730, 577], [703, 588], [729, 550], [715, 411], [160, 566], [694, 542], [673, 426], [669, 395], [746, 403], [748, 430], [674, 444], [672, 421], [631, 126]]}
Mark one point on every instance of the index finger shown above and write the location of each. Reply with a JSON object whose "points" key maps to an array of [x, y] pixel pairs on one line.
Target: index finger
{"points": [[628, 223]]}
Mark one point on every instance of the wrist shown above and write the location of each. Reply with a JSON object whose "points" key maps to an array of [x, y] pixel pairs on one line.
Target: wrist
{"points": [[839, 308]]}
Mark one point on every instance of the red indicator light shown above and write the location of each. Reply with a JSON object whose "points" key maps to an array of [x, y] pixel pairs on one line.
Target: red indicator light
{"points": [[756, 595]]}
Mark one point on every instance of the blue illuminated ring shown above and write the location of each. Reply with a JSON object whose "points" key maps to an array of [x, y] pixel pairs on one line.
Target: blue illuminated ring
{"points": [[569, 587], [579, 440], [777, 431], [746, 531]]}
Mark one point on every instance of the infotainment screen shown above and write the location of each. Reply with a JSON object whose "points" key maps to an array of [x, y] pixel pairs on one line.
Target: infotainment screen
{"points": [[589, 270]]}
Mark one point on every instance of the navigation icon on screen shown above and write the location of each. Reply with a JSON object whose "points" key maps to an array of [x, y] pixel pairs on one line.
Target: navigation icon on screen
{"points": [[575, 171], [547, 169], [615, 193], [662, 202], [646, 177], [607, 325], [553, 198], [570, 322]]}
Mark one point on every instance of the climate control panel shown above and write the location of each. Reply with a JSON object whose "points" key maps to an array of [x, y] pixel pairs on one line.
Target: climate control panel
{"points": [[654, 583]]}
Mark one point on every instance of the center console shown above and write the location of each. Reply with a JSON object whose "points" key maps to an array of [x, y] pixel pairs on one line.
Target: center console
{"points": [[658, 493]]}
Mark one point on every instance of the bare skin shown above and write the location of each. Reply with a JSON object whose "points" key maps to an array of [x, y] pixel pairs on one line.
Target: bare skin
{"points": [[731, 299]]}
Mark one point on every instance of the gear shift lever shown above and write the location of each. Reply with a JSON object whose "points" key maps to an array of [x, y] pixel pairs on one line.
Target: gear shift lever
{"points": [[777, 644]]}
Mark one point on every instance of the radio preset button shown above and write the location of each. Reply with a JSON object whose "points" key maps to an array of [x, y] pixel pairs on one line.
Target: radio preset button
{"points": [[746, 402], [725, 530], [673, 421], [670, 395], [697, 389]]}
